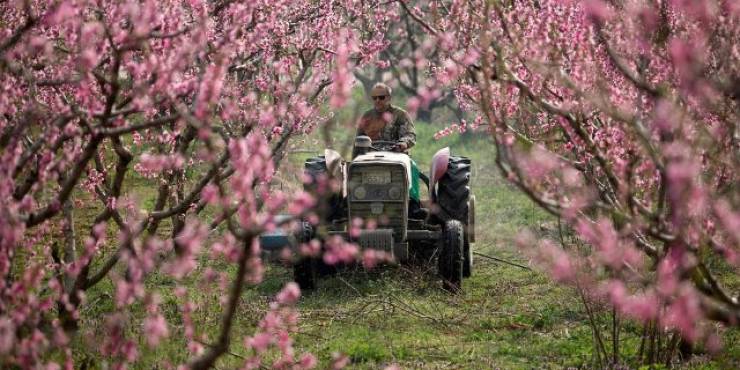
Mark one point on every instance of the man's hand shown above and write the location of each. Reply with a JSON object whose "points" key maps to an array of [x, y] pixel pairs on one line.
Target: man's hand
{"points": [[401, 147]]}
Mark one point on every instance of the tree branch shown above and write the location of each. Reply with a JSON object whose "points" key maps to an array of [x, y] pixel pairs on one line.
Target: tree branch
{"points": [[207, 359], [417, 19], [31, 21], [54, 206], [194, 192], [622, 67], [116, 131]]}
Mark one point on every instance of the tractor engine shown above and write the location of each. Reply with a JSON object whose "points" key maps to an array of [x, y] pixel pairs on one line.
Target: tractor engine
{"points": [[378, 191]]}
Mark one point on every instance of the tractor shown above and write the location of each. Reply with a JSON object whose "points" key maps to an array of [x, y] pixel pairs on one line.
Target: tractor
{"points": [[381, 187]]}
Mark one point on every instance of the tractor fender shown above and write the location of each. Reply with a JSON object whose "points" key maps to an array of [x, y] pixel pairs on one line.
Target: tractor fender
{"points": [[440, 161], [335, 167]]}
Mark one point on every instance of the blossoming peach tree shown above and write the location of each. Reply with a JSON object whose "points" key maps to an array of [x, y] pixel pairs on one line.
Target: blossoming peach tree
{"points": [[196, 99], [621, 119]]}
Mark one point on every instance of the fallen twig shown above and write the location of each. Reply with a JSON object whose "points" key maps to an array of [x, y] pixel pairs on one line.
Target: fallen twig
{"points": [[350, 285], [502, 261], [212, 345]]}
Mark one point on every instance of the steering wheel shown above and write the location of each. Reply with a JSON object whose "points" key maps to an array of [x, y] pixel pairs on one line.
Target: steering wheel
{"points": [[384, 146]]}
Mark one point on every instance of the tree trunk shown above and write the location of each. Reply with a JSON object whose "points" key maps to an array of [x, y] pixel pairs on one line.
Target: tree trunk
{"points": [[424, 115]]}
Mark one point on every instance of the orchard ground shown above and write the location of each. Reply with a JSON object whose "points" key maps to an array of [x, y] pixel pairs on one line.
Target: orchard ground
{"points": [[633, 102]]}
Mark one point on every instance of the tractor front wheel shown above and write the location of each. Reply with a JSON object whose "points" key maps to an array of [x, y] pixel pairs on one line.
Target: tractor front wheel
{"points": [[304, 273], [468, 258], [305, 269], [450, 263]]}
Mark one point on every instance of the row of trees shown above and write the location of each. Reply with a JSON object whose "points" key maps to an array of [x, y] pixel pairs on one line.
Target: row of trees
{"points": [[405, 63], [201, 98], [621, 119]]}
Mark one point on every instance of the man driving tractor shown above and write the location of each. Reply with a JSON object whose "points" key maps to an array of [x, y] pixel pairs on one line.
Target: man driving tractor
{"points": [[382, 188], [387, 122]]}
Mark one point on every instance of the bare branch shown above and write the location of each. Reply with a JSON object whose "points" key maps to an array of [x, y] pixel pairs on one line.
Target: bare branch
{"points": [[54, 206], [623, 68], [116, 131], [207, 359], [417, 19], [31, 21], [194, 192]]}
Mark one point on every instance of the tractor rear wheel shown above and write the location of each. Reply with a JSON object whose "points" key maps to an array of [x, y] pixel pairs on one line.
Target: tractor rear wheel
{"points": [[456, 201], [453, 189], [450, 263]]}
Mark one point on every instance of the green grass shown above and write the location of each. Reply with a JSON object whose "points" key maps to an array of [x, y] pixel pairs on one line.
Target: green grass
{"points": [[507, 317]]}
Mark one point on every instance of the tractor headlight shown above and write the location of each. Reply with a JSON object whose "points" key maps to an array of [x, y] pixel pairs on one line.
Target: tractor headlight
{"points": [[394, 192], [360, 192]]}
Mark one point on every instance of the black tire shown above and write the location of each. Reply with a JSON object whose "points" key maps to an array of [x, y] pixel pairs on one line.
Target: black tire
{"points": [[330, 205], [450, 263], [467, 259], [453, 189], [305, 270], [452, 196], [304, 273]]}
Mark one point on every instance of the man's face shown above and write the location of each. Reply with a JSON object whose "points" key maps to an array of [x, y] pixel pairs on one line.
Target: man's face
{"points": [[381, 99]]}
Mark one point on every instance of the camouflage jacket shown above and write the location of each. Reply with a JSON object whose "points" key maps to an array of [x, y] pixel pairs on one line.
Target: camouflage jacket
{"points": [[392, 125]]}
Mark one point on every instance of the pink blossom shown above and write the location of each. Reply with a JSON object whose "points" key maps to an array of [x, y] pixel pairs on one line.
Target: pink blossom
{"points": [[558, 263], [339, 251], [301, 202], [598, 10], [372, 257], [7, 335], [312, 248], [259, 342], [729, 219], [539, 163], [210, 194], [64, 11], [289, 294], [713, 343], [88, 59], [611, 251], [308, 361], [59, 338], [155, 327], [130, 351], [342, 76], [339, 361], [256, 270], [643, 307], [382, 64], [684, 313], [413, 104], [153, 165], [125, 293]]}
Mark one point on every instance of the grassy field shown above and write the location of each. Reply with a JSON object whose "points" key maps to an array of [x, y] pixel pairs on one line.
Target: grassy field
{"points": [[507, 317]]}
